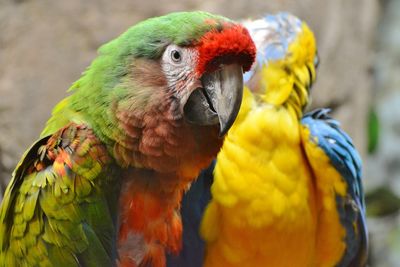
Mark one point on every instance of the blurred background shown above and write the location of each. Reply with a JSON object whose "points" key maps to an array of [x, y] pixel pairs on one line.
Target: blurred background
{"points": [[45, 45]]}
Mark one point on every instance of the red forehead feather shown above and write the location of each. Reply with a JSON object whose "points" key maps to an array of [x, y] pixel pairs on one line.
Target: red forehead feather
{"points": [[231, 45]]}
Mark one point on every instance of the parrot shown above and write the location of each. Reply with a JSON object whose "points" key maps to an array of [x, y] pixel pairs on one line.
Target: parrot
{"points": [[103, 184], [285, 190]]}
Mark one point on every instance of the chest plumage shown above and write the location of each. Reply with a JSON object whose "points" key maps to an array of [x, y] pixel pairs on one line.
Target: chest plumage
{"points": [[267, 196]]}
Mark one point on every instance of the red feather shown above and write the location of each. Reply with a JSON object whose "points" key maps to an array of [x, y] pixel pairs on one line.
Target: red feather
{"points": [[231, 45]]}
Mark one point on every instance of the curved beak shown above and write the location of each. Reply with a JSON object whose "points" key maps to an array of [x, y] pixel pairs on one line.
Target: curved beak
{"points": [[218, 100]]}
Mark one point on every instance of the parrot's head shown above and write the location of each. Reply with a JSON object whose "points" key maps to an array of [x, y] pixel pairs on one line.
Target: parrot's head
{"points": [[191, 61], [286, 60], [203, 63], [165, 84]]}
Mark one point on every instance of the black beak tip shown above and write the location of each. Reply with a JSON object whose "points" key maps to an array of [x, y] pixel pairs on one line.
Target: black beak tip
{"points": [[222, 131], [225, 126]]}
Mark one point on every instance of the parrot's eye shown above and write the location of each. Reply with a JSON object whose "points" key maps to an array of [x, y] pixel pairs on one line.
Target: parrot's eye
{"points": [[176, 56]]}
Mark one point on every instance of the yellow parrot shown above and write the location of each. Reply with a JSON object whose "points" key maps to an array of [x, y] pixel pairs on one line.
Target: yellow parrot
{"points": [[286, 187]]}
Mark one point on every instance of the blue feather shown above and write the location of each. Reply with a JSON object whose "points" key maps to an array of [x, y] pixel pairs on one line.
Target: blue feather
{"points": [[344, 157]]}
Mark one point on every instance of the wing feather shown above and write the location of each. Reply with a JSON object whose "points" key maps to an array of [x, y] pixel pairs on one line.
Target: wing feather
{"points": [[55, 210], [337, 145]]}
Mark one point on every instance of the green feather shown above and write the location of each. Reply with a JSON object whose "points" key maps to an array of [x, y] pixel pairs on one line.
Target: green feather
{"points": [[95, 255], [52, 237], [63, 257], [30, 205], [83, 187], [18, 230], [9, 260]]}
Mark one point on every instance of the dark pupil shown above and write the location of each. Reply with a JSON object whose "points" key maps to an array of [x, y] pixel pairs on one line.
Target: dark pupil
{"points": [[176, 56]]}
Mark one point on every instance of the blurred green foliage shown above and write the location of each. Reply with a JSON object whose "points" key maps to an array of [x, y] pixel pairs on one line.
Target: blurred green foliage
{"points": [[382, 202], [373, 130]]}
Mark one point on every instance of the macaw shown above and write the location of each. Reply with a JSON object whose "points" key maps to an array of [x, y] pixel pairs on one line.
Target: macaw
{"points": [[103, 184], [286, 187]]}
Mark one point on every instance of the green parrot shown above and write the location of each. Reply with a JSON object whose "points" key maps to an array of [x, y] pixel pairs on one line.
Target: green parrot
{"points": [[103, 184]]}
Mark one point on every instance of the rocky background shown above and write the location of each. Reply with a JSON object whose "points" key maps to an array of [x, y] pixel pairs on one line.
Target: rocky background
{"points": [[45, 45]]}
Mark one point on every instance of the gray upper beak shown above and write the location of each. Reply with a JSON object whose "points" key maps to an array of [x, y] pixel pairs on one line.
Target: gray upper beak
{"points": [[218, 101]]}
